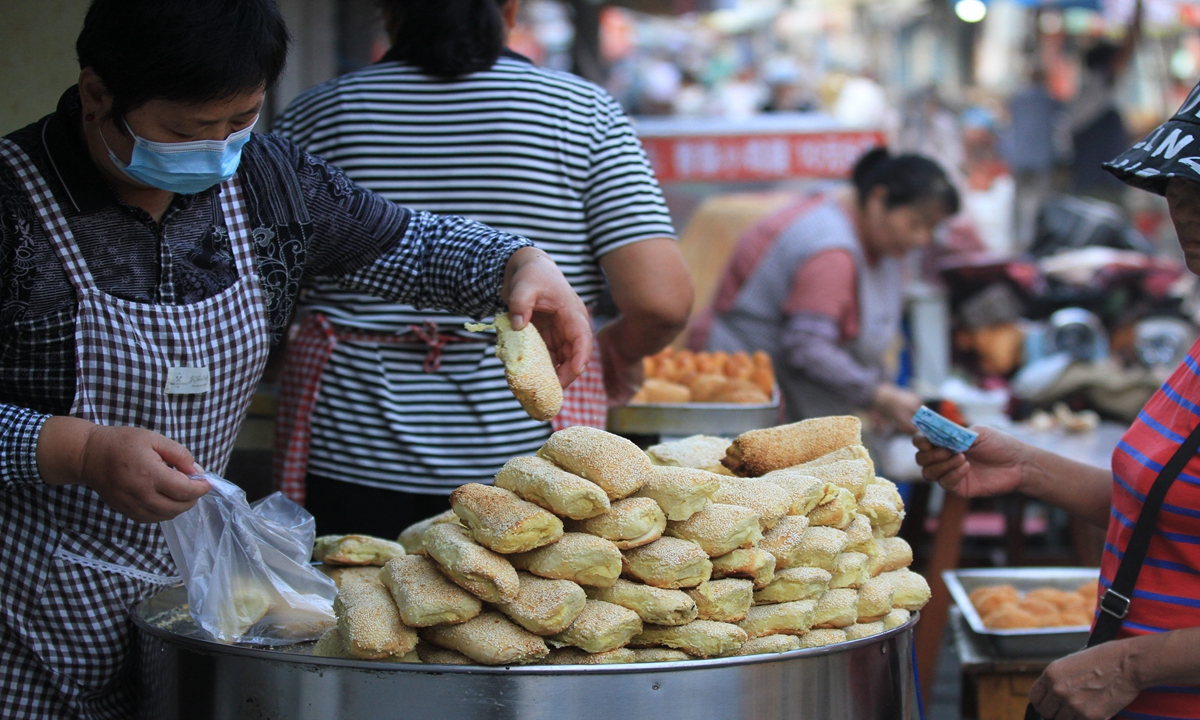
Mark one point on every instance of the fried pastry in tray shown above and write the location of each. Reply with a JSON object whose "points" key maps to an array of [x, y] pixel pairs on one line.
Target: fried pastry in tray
{"points": [[483, 573], [758, 452], [820, 637], [578, 557], [546, 485], [600, 627], [719, 529], [836, 609], [680, 492], [369, 622], [849, 571], [501, 521], [699, 638], [756, 564], [837, 509], [331, 645], [701, 452], [575, 656], [668, 563], [784, 541], [489, 639], [875, 599], [790, 618], [413, 536], [355, 550], [543, 606], [614, 463], [766, 645], [769, 500], [725, 600], [805, 492], [629, 523], [656, 606], [424, 596], [792, 584]]}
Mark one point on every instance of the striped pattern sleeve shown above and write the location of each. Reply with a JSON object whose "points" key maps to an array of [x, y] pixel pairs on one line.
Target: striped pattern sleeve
{"points": [[19, 430]]}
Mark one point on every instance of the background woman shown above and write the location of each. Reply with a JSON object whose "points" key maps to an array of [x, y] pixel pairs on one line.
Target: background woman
{"points": [[152, 252], [410, 405], [820, 286]]}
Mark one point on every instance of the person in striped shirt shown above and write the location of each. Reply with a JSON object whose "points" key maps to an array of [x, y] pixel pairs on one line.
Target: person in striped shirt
{"points": [[1152, 669], [403, 405]]}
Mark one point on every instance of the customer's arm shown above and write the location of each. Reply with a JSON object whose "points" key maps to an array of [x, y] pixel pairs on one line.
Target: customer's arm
{"points": [[998, 463], [652, 288]]}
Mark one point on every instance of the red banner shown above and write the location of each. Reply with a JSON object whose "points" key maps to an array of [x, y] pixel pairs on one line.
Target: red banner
{"points": [[758, 156]]}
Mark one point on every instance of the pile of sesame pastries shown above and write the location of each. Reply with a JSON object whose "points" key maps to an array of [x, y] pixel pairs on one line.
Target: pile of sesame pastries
{"points": [[595, 552]]}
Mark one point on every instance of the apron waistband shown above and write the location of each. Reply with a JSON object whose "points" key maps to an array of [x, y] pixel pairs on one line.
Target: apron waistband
{"points": [[129, 572]]}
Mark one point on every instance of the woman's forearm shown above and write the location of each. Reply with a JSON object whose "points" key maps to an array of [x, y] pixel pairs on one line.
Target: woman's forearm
{"points": [[1080, 489], [1169, 658]]}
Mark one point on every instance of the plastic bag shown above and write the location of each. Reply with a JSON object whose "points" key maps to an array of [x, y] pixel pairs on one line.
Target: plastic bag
{"points": [[247, 568]]}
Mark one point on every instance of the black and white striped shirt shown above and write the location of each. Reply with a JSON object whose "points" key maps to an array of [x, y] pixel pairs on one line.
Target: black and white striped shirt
{"points": [[531, 151]]}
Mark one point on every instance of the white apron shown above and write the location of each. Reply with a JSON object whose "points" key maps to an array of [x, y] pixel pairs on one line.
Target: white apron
{"points": [[70, 567]]}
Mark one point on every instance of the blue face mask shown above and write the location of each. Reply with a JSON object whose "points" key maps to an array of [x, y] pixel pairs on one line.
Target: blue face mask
{"points": [[183, 167]]}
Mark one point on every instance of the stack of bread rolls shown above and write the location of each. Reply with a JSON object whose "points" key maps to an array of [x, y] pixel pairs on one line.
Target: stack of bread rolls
{"points": [[717, 377], [595, 552]]}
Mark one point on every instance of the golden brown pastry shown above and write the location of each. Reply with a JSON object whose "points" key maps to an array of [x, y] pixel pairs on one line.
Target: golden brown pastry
{"points": [[767, 644], [655, 391], [740, 392], [610, 461], [719, 529], [700, 452], [575, 656], [412, 656], [1061, 599], [704, 387], [546, 485], [528, 367], [629, 523], [352, 573], [769, 500], [680, 492], [758, 452], [853, 475], [895, 618], [792, 584], [1089, 591], [754, 563], [837, 509], [424, 596], [819, 547], [600, 627], [1046, 614], [912, 592], [355, 550], [858, 631], [434, 655], [413, 536], [875, 599], [578, 557], [805, 492], [849, 571], [503, 522], [784, 540], [483, 573], [1010, 617], [369, 622], [489, 639], [820, 637], [700, 638], [543, 606], [850, 452], [668, 563], [892, 554], [658, 654], [656, 606], [879, 504], [725, 600], [859, 537], [331, 645], [790, 618], [836, 609]]}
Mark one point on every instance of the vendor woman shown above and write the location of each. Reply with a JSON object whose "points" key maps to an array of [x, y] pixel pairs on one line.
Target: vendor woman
{"points": [[1152, 668], [152, 249], [820, 286]]}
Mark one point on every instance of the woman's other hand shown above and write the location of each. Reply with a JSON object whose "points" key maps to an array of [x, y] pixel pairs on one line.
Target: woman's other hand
{"points": [[138, 473], [535, 290], [897, 406], [992, 466], [622, 376], [1092, 684]]}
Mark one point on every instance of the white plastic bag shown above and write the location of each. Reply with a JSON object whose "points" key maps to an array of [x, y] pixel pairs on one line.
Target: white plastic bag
{"points": [[246, 567]]}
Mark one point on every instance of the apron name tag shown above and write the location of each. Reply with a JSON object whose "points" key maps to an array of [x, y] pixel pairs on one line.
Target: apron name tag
{"points": [[188, 381]]}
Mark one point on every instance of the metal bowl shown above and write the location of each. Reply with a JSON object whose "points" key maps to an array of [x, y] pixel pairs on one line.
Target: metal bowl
{"points": [[185, 676]]}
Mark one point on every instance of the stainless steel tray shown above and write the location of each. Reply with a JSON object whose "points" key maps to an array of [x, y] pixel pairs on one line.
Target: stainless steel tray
{"points": [[1025, 643], [186, 677], [684, 419]]}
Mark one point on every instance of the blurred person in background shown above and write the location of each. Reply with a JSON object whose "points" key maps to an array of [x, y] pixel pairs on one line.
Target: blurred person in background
{"points": [[819, 286], [403, 404], [1036, 140]]}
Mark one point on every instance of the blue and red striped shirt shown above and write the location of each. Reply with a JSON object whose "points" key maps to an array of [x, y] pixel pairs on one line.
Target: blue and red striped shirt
{"points": [[1167, 594]]}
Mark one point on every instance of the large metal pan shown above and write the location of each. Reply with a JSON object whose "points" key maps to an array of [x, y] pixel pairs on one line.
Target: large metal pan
{"points": [[186, 677]]}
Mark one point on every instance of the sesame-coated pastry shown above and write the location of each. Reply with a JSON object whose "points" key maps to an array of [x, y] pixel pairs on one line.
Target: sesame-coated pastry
{"points": [[836, 609], [805, 491], [668, 563], [629, 523], [754, 563], [413, 536], [355, 550], [879, 504], [543, 606], [485, 574], [785, 541], [578, 557], [912, 590], [424, 596], [575, 656], [369, 622], [862, 630], [349, 573], [658, 654], [850, 452], [893, 554], [501, 521], [600, 627], [545, 484], [701, 638], [767, 644], [895, 618], [680, 492], [719, 529], [528, 367], [655, 606], [859, 537], [612, 462], [853, 475], [758, 452], [837, 509], [875, 599], [819, 547], [849, 571], [490, 639], [725, 600], [820, 637], [791, 584], [790, 618], [434, 655], [331, 645], [701, 452], [769, 500]]}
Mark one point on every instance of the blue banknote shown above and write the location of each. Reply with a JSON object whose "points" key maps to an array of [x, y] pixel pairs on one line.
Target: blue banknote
{"points": [[943, 432]]}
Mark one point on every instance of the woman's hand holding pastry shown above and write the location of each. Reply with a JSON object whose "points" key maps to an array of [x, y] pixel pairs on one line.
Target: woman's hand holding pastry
{"points": [[535, 290], [993, 466]]}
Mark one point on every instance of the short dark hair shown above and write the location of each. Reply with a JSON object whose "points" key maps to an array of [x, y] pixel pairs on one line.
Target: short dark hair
{"points": [[908, 179], [182, 50], [445, 38]]}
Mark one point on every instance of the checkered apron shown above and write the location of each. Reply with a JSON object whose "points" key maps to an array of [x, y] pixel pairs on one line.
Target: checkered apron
{"points": [[70, 567]]}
